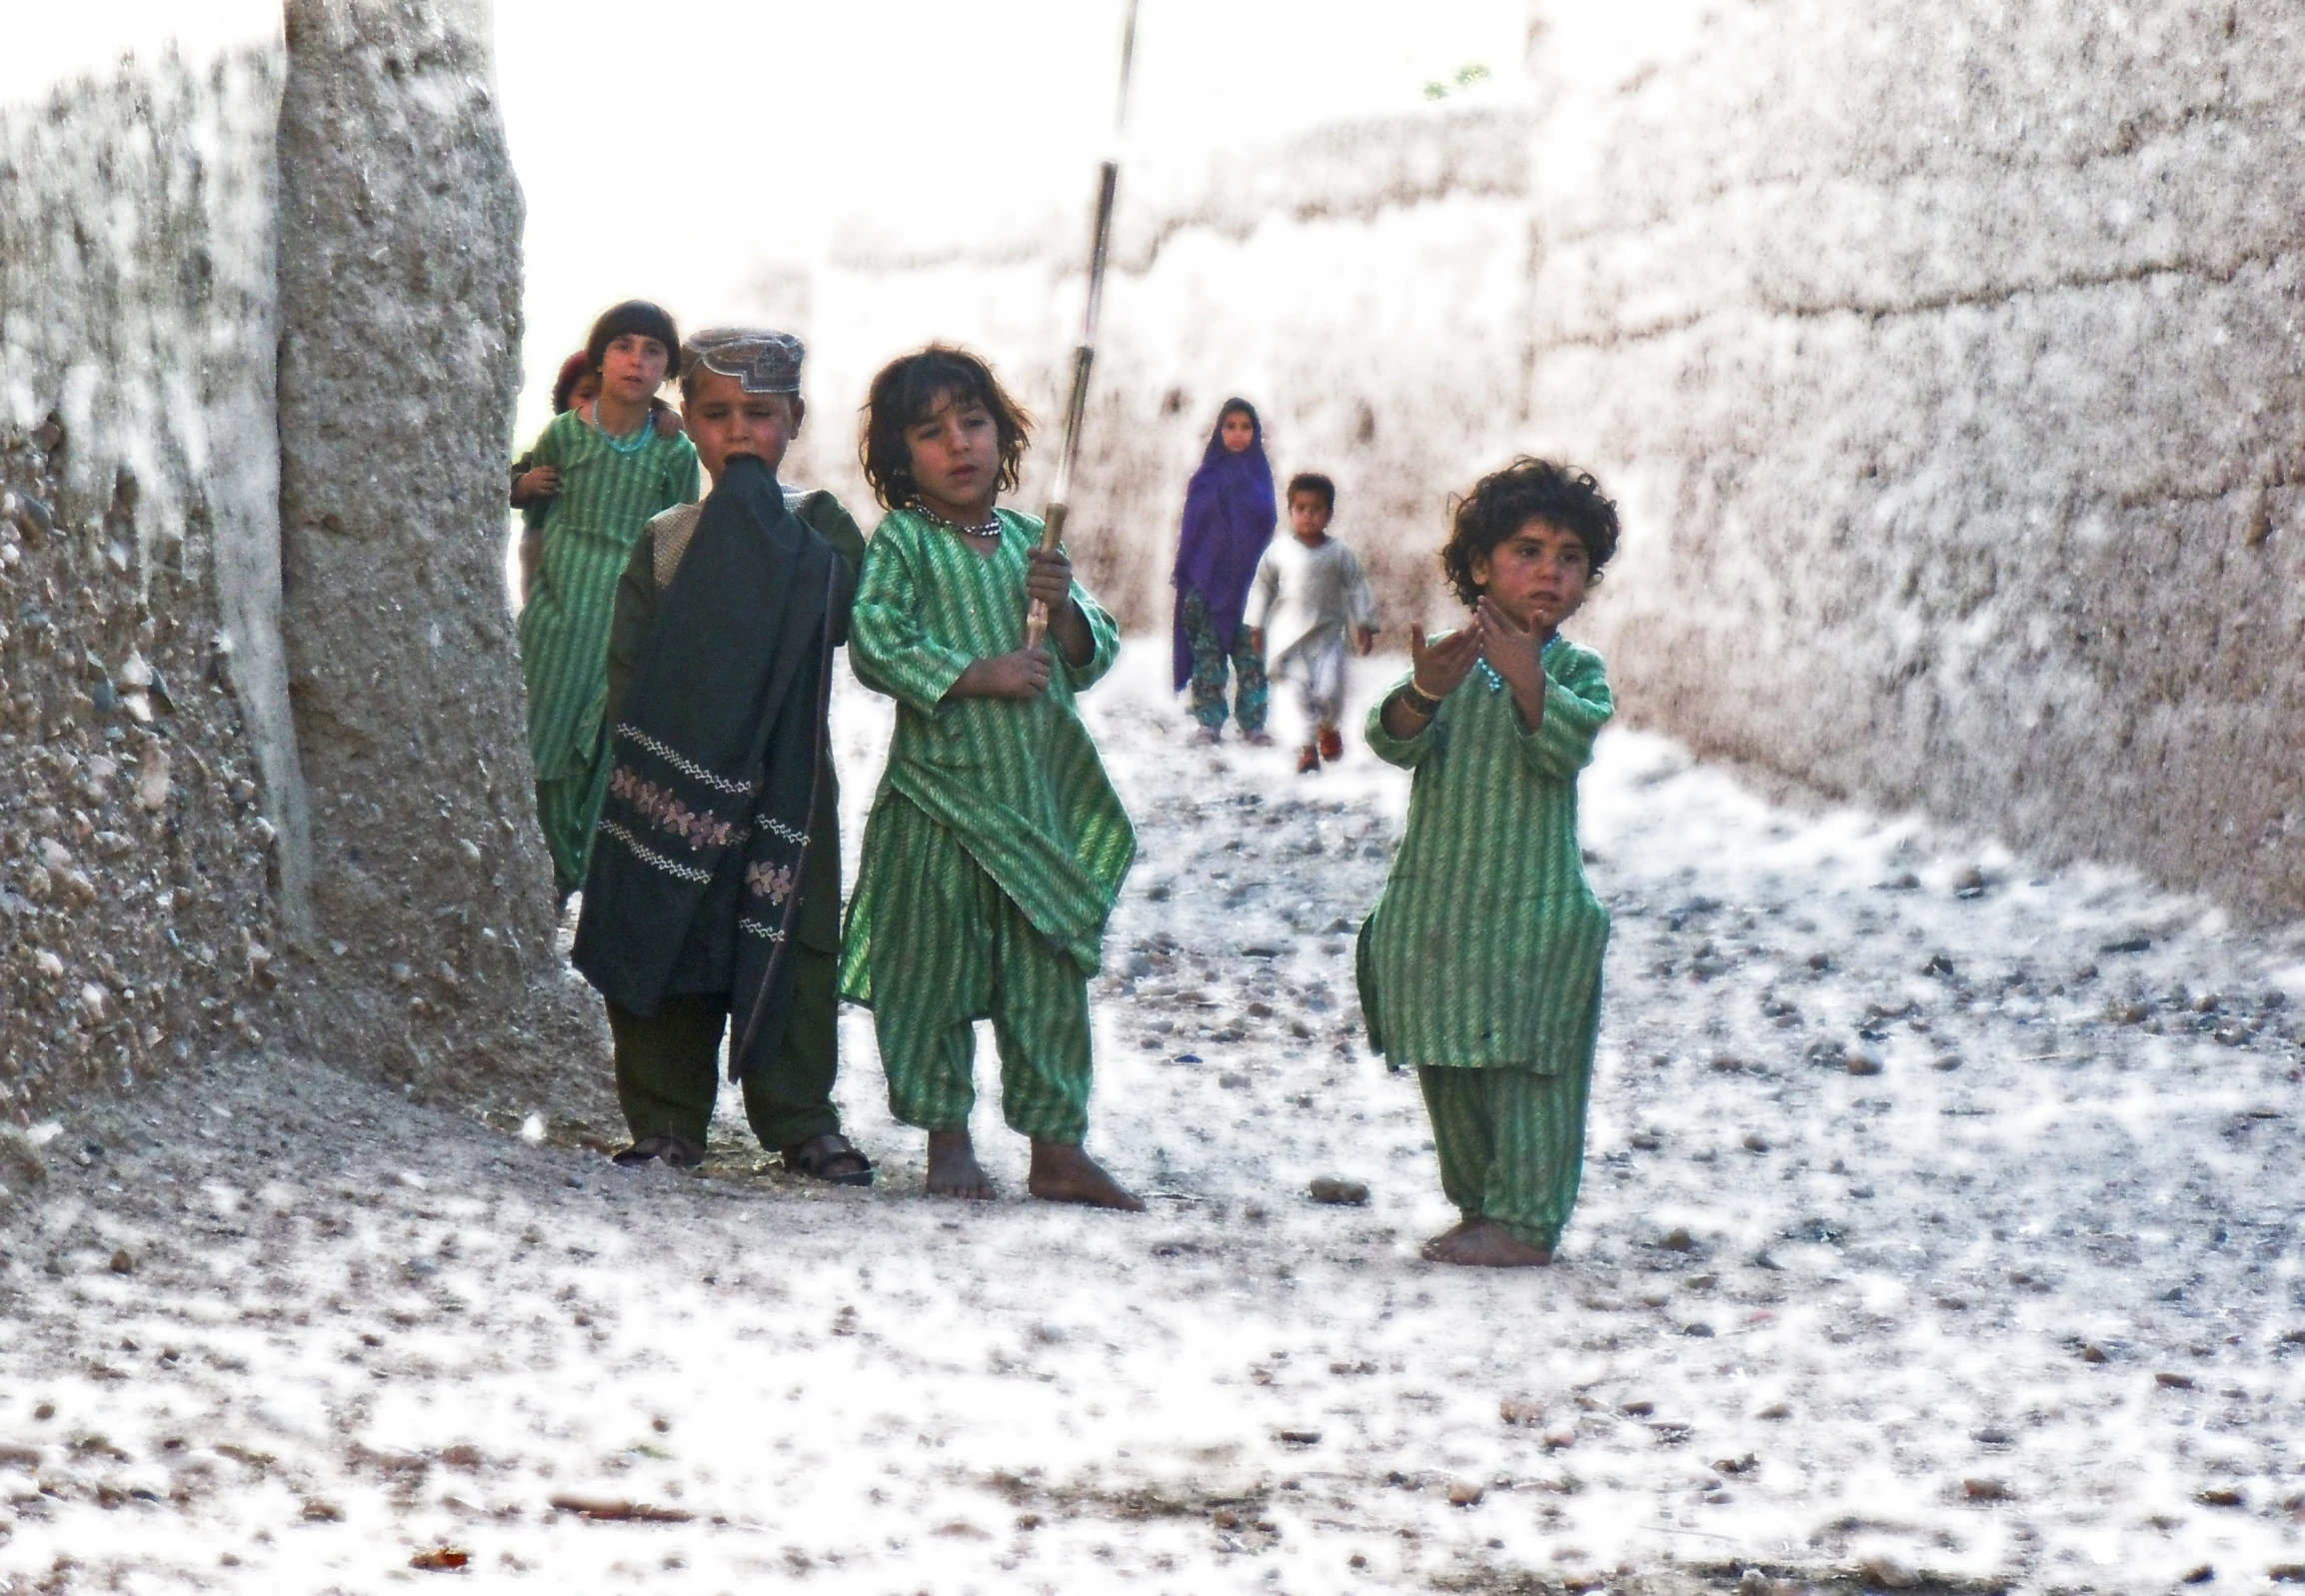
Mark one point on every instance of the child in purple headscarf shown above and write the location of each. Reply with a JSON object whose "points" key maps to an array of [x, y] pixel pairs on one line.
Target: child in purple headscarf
{"points": [[1230, 514]]}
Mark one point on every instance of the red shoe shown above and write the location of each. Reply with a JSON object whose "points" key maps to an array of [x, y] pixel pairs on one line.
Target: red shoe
{"points": [[1308, 759], [1332, 743]]}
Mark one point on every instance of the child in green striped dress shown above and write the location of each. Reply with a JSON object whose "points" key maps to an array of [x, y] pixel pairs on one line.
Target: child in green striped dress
{"points": [[996, 845], [1482, 964], [612, 470]]}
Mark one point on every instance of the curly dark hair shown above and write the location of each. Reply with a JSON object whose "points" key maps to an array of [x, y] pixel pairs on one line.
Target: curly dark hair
{"points": [[904, 394], [1504, 501]]}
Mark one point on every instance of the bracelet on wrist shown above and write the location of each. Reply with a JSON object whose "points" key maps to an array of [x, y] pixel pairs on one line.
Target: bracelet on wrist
{"points": [[1423, 703]]}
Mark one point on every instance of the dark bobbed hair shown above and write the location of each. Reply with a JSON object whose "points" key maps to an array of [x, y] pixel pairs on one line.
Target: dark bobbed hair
{"points": [[633, 316], [1504, 501], [573, 371], [904, 393], [1319, 487]]}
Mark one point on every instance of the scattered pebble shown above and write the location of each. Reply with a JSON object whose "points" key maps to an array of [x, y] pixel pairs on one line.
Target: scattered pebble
{"points": [[1342, 1192], [1887, 1573]]}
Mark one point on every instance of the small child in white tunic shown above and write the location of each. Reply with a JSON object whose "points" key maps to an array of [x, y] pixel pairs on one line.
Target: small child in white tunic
{"points": [[1309, 598]]}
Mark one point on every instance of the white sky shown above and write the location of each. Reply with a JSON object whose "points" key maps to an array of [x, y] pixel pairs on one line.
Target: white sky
{"points": [[680, 149], [752, 133]]}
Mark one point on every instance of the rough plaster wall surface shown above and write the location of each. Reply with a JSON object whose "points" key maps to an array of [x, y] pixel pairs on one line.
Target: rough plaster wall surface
{"points": [[144, 728], [1946, 359], [136, 304], [1364, 285], [136, 919], [433, 959]]}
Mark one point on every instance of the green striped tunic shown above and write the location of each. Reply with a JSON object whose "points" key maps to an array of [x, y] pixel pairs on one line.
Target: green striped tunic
{"points": [[1486, 947], [1018, 784], [605, 499]]}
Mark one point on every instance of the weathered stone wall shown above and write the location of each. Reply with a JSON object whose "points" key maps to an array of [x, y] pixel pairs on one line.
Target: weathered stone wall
{"points": [[262, 295], [149, 808], [1946, 358], [431, 959], [1364, 286]]}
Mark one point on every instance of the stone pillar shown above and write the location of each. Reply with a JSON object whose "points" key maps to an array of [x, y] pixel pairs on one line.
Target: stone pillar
{"points": [[431, 958]]}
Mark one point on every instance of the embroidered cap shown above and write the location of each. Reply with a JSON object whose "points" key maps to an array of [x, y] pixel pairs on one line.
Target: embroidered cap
{"points": [[763, 362]]}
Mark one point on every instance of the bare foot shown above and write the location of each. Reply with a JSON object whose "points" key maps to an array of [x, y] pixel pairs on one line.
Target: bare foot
{"points": [[1441, 1243], [1485, 1244], [953, 1167], [1062, 1173]]}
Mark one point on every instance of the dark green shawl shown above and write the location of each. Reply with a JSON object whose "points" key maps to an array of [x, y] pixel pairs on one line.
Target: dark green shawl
{"points": [[717, 750]]}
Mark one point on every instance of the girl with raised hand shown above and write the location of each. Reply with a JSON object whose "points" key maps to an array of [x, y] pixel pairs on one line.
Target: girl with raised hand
{"points": [[1481, 966]]}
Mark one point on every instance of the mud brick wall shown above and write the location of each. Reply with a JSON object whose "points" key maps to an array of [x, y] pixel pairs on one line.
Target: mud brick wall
{"points": [[431, 959], [146, 765], [263, 779], [1946, 357]]}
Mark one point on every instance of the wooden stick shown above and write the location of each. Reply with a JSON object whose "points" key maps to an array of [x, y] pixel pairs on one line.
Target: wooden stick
{"points": [[1085, 354]]}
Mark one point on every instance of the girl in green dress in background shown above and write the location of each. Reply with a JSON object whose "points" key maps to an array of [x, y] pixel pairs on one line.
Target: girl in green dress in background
{"points": [[1482, 964], [614, 470]]}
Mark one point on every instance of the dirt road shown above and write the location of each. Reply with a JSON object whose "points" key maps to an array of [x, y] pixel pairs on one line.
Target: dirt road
{"points": [[1941, 1224]]}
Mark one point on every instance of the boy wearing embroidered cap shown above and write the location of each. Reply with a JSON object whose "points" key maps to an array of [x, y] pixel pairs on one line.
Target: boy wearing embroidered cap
{"points": [[714, 899], [614, 470]]}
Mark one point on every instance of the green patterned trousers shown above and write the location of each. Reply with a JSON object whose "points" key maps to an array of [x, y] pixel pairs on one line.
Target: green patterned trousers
{"points": [[1251, 693], [569, 810], [1512, 1144], [951, 948]]}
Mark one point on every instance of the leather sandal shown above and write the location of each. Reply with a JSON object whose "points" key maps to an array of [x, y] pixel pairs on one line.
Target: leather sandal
{"points": [[830, 1157], [677, 1151]]}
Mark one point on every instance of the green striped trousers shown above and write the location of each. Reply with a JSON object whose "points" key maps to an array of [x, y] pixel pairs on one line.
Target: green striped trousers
{"points": [[1511, 1143], [950, 948]]}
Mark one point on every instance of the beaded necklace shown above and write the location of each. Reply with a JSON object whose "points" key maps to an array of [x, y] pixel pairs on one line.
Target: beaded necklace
{"points": [[987, 530], [640, 437], [1495, 683]]}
